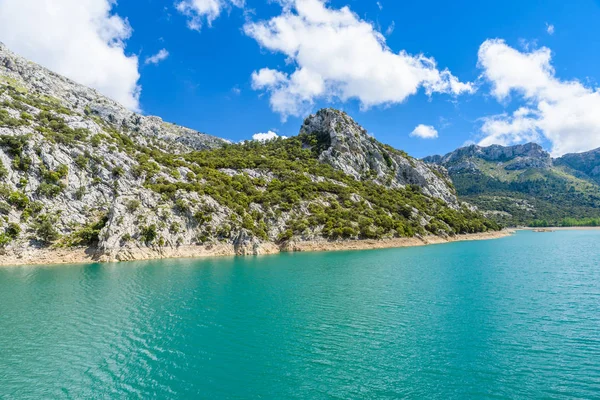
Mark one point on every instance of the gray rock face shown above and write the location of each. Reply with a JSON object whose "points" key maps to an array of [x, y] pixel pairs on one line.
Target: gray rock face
{"points": [[586, 163], [519, 157], [348, 147], [101, 180], [83, 100]]}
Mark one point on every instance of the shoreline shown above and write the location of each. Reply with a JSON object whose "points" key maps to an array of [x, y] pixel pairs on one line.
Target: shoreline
{"points": [[49, 257], [561, 228], [372, 244]]}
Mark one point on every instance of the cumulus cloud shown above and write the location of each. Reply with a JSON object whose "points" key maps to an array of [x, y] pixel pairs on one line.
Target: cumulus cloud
{"points": [[563, 112], [81, 39], [204, 11], [158, 57], [424, 132], [267, 77], [335, 54], [263, 137], [550, 29]]}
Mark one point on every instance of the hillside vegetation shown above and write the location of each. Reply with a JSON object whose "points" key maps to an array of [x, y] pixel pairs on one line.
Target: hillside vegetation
{"points": [[523, 185], [78, 169]]}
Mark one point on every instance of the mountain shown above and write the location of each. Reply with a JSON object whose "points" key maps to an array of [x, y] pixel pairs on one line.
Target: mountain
{"points": [[79, 170], [347, 146], [585, 165], [524, 185]]}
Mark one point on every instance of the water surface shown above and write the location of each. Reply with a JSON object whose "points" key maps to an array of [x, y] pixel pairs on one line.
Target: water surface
{"points": [[517, 317]]}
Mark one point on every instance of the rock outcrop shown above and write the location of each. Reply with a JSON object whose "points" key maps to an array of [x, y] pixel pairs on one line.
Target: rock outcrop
{"points": [[519, 157], [348, 147], [587, 163], [37, 80]]}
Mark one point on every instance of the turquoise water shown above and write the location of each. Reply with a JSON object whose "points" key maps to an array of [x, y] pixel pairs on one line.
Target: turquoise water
{"points": [[517, 317]]}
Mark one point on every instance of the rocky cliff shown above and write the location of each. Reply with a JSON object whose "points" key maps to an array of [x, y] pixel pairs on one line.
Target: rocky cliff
{"points": [[79, 170], [586, 164], [523, 185], [348, 147], [519, 157]]}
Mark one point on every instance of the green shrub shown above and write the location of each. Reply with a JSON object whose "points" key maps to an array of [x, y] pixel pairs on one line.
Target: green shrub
{"points": [[22, 163], [133, 205], [3, 170], [18, 199], [51, 186], [49, 190], [14, 144], [182, 206], [4, 208], [13, 230], [26, 117], [87, 235], [56, 129], [7, 121], [4, 240], [175, 228], [148, 233], [118, 172], [285, 236], [45, 229], [82, 161], [96, 140], [202, 217], [80, 192]]}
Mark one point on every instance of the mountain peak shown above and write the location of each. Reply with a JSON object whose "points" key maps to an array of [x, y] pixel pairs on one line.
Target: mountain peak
{"points": [[517, 157], [587, 163], [347, 146], [29, 78]]}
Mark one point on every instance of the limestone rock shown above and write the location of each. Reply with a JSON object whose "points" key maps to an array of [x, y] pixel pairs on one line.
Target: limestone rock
{"points": [[348, 147]]}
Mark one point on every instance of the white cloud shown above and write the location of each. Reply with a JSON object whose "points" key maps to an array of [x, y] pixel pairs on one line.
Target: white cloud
{"points": [[263, 137], [563, 112], [507, 129], [335, 54], [424, 132], [267, 77], [81, 39], [550, 29], [201, 11], [158, 57], [379, 5], [390, 29]]}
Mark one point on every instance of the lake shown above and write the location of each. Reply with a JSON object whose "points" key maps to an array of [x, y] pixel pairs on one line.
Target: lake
{"points": [[517, 317]]}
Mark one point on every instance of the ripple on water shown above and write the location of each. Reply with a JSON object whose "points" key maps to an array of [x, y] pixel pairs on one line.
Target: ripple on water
{"points": [[512, 318]]}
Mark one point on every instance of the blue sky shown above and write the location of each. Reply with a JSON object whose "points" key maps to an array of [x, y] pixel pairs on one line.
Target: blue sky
{"points": [[206, 81]]}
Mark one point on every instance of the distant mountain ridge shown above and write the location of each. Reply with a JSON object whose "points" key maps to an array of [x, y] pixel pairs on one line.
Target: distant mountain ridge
{"points": [[524, 185], [530, 155], [587, 163]]}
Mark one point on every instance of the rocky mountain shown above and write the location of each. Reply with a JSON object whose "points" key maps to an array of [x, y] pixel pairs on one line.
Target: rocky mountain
{"points": [[519, 157], [348, 147], [585, 165], [523, 185], [77, 170]]}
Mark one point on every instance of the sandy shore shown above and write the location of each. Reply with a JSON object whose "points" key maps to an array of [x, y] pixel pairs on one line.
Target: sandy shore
{"points": [[563, 228], [392, 243], [85, 256]]}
